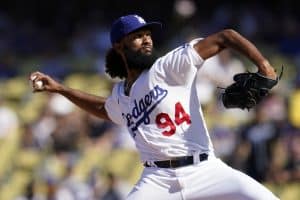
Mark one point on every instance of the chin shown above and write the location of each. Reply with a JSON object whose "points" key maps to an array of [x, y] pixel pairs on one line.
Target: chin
{"points": [[148, 53]]}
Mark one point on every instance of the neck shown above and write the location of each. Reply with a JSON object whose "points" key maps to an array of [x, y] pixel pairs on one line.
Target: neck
{"points": [[133, 75], [131, 78]]}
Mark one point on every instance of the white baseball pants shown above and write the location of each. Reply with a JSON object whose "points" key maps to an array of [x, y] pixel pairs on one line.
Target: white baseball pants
{"points": [[207, 180]]}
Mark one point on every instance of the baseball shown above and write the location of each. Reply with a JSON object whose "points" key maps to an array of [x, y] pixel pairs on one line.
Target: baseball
{"points": [[39, 85], [33, 78]]}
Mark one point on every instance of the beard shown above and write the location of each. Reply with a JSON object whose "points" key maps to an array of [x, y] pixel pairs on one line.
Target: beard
{"points": [[139, 60]]}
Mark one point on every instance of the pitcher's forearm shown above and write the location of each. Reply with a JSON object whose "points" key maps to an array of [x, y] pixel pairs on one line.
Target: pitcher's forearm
{"points": [[235, 41], [90, 103], [228, 38]]}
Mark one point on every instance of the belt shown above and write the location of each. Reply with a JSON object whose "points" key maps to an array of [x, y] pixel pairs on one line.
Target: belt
{"points": [[177, 162]]}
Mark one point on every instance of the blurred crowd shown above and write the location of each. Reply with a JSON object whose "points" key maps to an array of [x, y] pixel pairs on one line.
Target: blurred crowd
{"points": [[50, 149]]}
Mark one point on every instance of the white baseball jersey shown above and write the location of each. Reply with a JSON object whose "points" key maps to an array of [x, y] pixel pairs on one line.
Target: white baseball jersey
{"points": [[162, 111]]}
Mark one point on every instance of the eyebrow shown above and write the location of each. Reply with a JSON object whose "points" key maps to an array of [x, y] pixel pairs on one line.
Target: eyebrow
{"points": [[142, 30]]}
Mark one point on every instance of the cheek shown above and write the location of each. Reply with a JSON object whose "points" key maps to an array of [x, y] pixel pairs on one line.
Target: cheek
{"points": [[135, 44]]}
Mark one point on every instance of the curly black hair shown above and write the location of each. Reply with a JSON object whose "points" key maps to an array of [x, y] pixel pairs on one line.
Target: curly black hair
{"points": [[114, 64]]}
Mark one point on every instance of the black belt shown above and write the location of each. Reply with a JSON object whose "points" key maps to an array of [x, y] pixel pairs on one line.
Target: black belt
{"points": [[177, 162]]}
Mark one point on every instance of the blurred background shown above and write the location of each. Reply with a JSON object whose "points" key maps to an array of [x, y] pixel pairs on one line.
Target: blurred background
{"points": [[51, 150]]}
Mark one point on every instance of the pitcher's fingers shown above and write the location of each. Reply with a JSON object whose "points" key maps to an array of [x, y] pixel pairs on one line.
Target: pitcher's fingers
{"points": [[33, 76]]}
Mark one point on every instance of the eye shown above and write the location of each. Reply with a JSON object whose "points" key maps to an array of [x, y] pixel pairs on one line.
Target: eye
{"points": [[148, 33], [136, 36], [139, 35]]}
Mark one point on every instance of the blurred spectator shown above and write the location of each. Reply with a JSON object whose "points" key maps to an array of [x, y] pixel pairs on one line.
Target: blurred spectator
{"points": [[253, 153], [217, 72], [9, 121], [293, 165], [44, 126], [28, 141], [284, 166], [101, 134], [111, 192], [30, 193], [72, 189], [98, 127], [224, 141]]}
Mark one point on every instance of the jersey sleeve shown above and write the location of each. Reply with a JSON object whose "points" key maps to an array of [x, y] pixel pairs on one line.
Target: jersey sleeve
{"points": [[112, 107], [179, 64]]}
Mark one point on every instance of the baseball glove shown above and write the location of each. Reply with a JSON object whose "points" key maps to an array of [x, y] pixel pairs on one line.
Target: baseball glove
{"points": [[247, 90]]}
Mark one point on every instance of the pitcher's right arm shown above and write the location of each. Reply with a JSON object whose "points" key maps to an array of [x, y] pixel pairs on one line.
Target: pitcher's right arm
{"points": [[90, 103]]}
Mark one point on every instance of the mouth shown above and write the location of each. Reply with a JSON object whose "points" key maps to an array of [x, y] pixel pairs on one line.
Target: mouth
{"points": [[147, 48]]}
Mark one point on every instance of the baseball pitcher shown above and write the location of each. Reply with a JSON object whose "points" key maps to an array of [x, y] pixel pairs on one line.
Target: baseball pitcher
{"points": [[158, 102]]}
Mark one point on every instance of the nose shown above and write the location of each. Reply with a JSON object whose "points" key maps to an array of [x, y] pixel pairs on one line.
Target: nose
{"points": [[147, 39]]}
